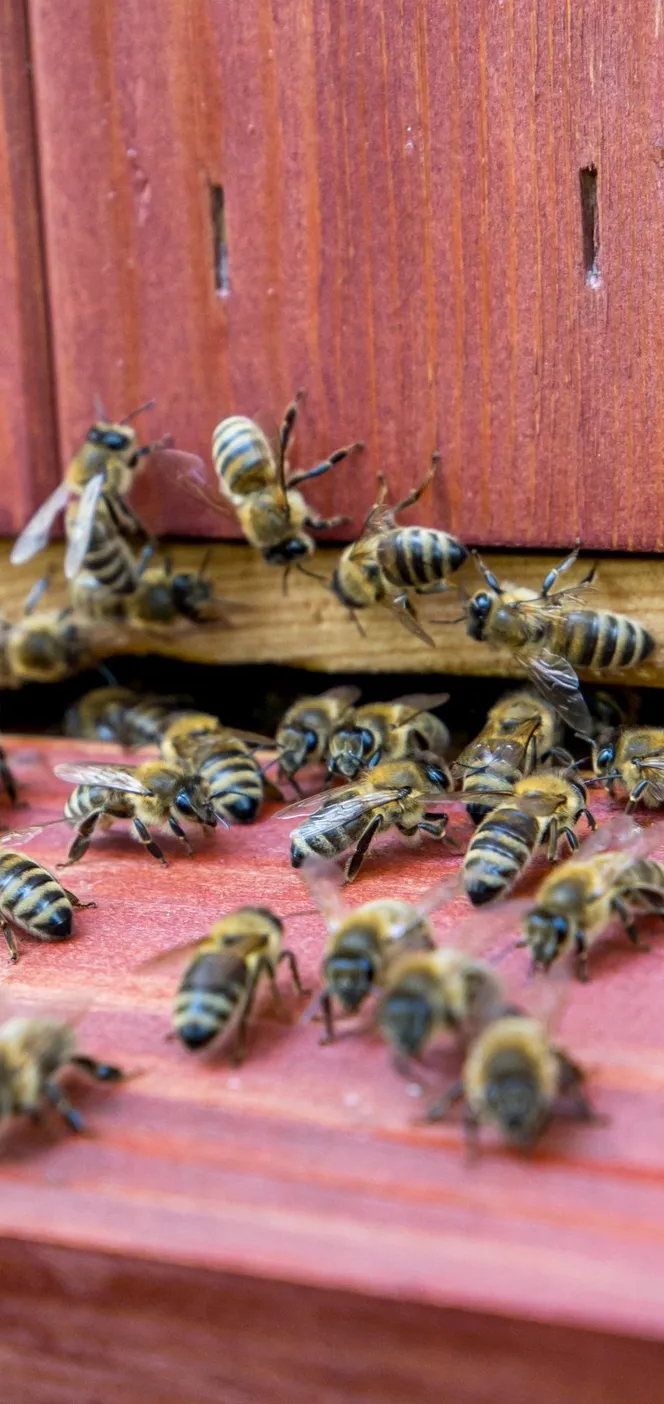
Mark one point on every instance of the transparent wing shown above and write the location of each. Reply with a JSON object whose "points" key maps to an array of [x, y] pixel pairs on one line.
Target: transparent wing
{"points": [[34, 536], [348, 810], [26, 835], [480, 754], [111, 777], [79, 533], [409, 621], [420, 702], [345, 694], [322, 799], [556, 679], [173, 953], [195, 482], [622, 834], [325, 883]]}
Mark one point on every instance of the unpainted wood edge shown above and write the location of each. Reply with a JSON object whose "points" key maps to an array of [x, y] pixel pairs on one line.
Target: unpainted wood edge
{"points": [[307, 628]]}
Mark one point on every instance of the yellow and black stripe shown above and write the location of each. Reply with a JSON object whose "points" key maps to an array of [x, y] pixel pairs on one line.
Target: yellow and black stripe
{"points": [[233, 778], [498, 852], [241, 456], [31, 897], [591, 638], [210, 994], [419, 556]]}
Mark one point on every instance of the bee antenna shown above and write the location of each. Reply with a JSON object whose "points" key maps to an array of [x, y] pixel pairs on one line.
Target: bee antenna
{"points": [[314, 575], [207, 556], [149, 404], [98, 406]]}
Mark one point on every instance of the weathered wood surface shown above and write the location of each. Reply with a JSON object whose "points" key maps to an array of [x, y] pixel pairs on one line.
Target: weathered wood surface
{"points": [[308, 627], [28, 437], [306, 1164], [406, 239], [172, 1334]]}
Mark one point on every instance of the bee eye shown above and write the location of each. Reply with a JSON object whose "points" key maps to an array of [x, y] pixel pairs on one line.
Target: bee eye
{"points": [[113, 440], [606, 756], [366, 740], [482, 603], [436, 775]]}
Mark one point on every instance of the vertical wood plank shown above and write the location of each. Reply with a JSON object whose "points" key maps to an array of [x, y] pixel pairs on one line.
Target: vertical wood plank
{"points": [[403, 200], [27, 430]]}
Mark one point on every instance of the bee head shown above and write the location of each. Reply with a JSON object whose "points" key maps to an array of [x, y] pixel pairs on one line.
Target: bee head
{"points": [[111, 437], [514, 1100], [605, 757], [192, 595], [352, 746], [405, 1018], [192, 803], [479, 609], [287, 551], [349, 971], [296, 744], [546, 934]]}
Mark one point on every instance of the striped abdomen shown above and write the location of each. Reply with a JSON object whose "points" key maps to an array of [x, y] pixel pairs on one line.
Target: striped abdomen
{"points": [[323, 837], [419, 556], [91, 799], [498, 777], [31, 898], [643, 883], [498, 852], [108, 556], [242, 457], [211, 992], [233, 777], [594, 638], [145, 722]]}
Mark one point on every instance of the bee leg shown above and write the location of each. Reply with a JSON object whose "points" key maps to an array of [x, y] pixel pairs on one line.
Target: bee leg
{"points": [[435, 824], [357, 858], [635, 796], [10, 939], [582, 956], [287, 426], [550, 579], [81, 843], [618, 906], [76, 903], [103, 1072], [264, 967], [147, 840], [324, 467], [180, 833], [294, 970], [554, 835], [416, 493], [7, 779], [590, 818], [328, 1018], [63, 1106], [439, 1110], [571, 838]]}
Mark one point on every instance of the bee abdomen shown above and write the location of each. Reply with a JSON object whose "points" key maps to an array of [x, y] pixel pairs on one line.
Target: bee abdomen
{"points": [[648, 873], [235, 785], [498, 852], [241, 455], [31, 897], [498, 778], [209, 996], [84, 800], [111, 562], [417, 556], [310, 840], [598, 639]]}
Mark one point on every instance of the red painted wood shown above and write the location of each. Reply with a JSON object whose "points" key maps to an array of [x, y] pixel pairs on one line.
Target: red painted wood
{"points": [[27, 423], [305, 1164], [78, 1327], [405, 240]]}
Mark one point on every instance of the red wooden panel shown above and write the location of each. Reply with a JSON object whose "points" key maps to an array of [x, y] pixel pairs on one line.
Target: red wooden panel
{"points": [[306, 1164], [79, 1327], [405, 234], [27, 426]]}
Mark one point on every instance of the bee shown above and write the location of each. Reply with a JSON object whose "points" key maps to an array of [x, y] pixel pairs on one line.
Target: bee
{"points": [[97, 517], [546, 805], [609, 714], [7, 780], [387, 560], [635, 759], [550, 637], [273, 514], [520, 732], [217, 992], [303, 736], [516, 1078], [394, 794], [387, 731], [575, 905], [223, 761], [32, 1054], [99, 714], [430, 992], [31, 898], [151, 794], [364, 941]]}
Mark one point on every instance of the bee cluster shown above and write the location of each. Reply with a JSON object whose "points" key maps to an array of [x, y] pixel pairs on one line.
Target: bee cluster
{"points": [[516, 781]]}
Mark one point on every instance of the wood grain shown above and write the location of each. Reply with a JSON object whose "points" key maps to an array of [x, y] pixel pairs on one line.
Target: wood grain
{"points": [[308, 628], [306, 1165], [28, 449], [405, 239], [171, 1335]]}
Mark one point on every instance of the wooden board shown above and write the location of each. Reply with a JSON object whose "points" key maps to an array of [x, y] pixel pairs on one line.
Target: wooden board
{"points": [[28, 450], [406, 239], [307, 627], [306, 1164]]}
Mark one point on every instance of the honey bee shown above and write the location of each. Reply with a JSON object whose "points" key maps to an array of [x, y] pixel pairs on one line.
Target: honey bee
{"points": [[31, 898], [44, 645], [32, 1054], [222, 760], [99, 714], [394, 794], [574, 906], [550, 637], [635, 759], [364, 941], [217, 992], [427, 993], [546, 805], [387, 560], [152, 794], [303, 736], [92, 494], [610, 714], [520, 732], [515, 1078], [387, 731], [273, 514]]}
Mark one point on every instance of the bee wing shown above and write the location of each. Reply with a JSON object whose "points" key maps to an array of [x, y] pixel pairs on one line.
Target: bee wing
{"points": [[350, 809], [35, 535], [111, 777], [325, 883], [420, 702], [481, 754], [344, 694], [195, 481], [78, 535], [26, 835], [652, 770], [409, 621], [623, 835], [310, 802], [172, 954], [556, 679]]}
